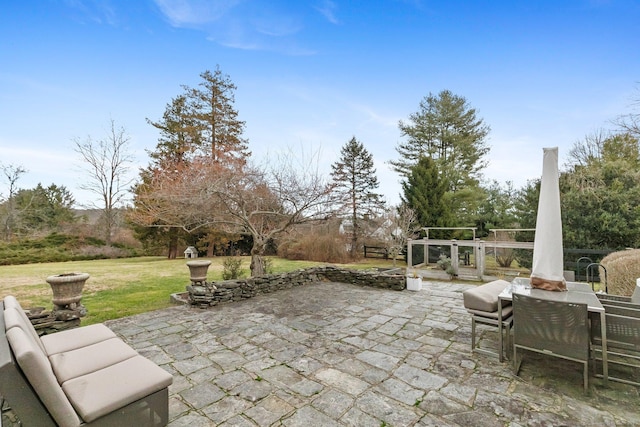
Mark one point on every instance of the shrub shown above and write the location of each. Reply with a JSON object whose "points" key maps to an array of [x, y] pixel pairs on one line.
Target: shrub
{"points": [[232, 268], [505, 257], [268, 265], [445, 264], [59, 247], [524, 257], [316, 247], [623, 268]]}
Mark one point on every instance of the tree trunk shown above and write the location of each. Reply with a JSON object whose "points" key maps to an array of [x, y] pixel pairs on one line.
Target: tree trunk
{"points": [[257, 261], [173, 247], [354, 245], [107, 218], [257, 265]]}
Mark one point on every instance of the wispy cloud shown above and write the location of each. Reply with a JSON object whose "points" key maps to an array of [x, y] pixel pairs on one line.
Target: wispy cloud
{"points": [[328, 9], [195, 13], [97, 11], [241, 24], [373, 116]]}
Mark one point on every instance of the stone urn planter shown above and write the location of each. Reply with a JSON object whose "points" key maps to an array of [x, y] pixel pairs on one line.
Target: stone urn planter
{"points": [[67, 289], [198, 271]]}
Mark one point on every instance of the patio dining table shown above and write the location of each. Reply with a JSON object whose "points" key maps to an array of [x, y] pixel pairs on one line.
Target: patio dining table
{"points": [[578, 293]]}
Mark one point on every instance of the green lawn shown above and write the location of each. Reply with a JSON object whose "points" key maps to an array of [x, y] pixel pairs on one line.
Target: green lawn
{"points": [[122, 287]]}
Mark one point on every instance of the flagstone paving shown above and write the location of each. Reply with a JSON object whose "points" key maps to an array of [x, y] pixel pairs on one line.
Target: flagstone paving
{"points": [[333, 354]]}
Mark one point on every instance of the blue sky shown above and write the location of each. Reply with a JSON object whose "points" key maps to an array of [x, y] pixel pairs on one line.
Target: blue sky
{"points": [[313, 74]]}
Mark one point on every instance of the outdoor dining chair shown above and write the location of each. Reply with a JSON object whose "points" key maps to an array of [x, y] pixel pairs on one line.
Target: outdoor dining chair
{"points": [[482, 303], [633, 299], [623, 343], [552, 328]]}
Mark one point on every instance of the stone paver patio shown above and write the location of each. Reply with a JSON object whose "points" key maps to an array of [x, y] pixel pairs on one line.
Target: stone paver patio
{"points": [[333, 354]]}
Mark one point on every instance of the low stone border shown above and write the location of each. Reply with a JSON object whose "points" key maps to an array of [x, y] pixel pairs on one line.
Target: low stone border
{"points": [[213, 293], [48, 322]]}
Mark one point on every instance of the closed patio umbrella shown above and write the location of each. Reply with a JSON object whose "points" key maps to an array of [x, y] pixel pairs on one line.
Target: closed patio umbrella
{"points": [[547, 269]]}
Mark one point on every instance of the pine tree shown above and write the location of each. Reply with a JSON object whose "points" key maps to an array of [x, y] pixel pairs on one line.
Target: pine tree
{"points": [[448, 130], [355, 182], [216, 119], [178, 136], [424, 192], [202, 122]]}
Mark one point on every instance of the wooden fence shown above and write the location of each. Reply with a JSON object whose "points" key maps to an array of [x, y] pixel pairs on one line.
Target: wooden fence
{"points": [[376, 252]]}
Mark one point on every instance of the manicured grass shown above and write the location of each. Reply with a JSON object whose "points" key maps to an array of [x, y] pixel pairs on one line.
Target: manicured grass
{"points": [[127, 286]]}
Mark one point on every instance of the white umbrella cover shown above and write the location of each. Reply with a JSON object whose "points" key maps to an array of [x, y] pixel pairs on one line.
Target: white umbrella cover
{"points": [[547, 269]]}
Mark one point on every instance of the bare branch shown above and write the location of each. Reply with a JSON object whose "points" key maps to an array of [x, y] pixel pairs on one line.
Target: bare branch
{"points": [[106, 163], [11, 174], [263, 201]]}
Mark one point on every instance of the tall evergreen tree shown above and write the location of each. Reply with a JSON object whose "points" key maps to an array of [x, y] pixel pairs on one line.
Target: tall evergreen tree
{"points": [[424, 192], [198, 127], [201, 122], [216, 119], [355, 183], [178, 136], [449, 131]]}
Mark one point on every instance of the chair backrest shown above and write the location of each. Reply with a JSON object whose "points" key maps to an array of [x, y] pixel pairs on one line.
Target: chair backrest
{"points": [[551, 326], [635, 297], [12, 304], [36, 368], [631, 310], [623, 331], [606, 303]]}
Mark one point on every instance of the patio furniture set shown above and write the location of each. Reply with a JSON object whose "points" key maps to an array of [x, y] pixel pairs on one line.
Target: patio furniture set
{"points": [[578, 324], [77, 377]]}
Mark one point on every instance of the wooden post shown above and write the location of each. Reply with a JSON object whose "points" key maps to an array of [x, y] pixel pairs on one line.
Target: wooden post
{"points": [[455, 262], [480, 258]]}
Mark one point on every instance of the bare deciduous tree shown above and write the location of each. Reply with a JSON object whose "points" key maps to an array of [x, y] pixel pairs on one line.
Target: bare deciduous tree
{"points": [[262, 201], [400, 224], [630, 122], [106, 163], [11, 174], [584, 152]]}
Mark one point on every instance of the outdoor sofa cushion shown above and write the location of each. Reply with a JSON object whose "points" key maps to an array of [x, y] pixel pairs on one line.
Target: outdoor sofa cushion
{"points": [[38, 371], [104, 391], [85, 360], [80, 374], [72, 339], [10, 302], [506, 312], [484, 297]]}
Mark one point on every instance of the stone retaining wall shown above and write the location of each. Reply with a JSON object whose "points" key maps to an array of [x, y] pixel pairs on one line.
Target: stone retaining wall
{"points": [[48, 322], [213, 293]]}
